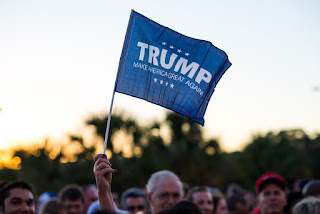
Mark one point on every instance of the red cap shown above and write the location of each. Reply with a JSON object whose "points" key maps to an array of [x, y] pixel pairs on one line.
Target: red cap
{"points": [[272, 178]]}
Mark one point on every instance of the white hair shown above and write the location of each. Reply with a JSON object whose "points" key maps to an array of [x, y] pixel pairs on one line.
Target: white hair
{"points": [[161, 174], [309, 205]]}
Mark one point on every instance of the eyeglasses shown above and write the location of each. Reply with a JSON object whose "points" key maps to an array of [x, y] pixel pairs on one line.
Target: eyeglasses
{"points": [[139, 207], [166, 196]]}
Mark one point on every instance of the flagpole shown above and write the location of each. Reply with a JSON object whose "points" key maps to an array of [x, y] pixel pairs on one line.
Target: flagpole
{"points": [[108, 123]]}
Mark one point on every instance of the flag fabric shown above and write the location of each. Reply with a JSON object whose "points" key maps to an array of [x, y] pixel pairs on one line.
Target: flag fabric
{"points": [[164, 67]]}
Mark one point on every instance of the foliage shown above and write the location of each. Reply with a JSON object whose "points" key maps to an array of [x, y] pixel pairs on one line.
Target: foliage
{"points": [[284, 153], [176, 144]]}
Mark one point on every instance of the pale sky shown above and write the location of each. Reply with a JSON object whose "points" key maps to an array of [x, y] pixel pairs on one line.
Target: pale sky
{"points": [[59, 59]]}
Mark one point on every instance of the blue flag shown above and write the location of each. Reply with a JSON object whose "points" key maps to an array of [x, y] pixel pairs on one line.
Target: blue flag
{"points": [[164, 67]]}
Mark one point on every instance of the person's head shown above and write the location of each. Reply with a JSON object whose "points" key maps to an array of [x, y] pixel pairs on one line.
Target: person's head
{"points": [[103, 212], [270, 189], [73, 197], [250, 199], [292, 199], [17, 197], [90, 195], [164, 189], [3, 183], [201, 196], [237, 204], [134, 200], [54, 206], [182, 207], [219, 204], [312, 188], [44, 197], [234, 189], [309, 205]]}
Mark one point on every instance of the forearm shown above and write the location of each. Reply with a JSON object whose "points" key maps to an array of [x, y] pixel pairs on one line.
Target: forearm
{"points": [[106, 201], [103, 175]]}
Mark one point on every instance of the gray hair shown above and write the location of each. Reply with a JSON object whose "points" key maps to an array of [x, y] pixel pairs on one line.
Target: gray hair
{"points": [[309, 205], [161, 174]]}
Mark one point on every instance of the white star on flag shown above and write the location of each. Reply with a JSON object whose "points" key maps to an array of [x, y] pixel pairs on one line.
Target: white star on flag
{"points": [[155, 79], [161, 82], [171, 85], [167, 83], [171, 46], [164, 43], [179, 51], [187, 54]]}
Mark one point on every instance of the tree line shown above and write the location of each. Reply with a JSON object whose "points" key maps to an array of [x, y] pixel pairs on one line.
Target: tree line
{"points": [[176, 143]]}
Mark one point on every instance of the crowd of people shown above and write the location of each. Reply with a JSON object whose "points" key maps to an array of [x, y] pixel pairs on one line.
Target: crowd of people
{"points": [[164, 194]]}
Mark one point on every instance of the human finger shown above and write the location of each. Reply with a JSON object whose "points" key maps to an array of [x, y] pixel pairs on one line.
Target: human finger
{"points": [[102, 159], [97, 156], [103, 165]]}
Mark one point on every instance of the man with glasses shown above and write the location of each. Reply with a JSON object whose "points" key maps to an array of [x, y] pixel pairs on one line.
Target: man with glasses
{"points": [[134, 200], [164, 189]]}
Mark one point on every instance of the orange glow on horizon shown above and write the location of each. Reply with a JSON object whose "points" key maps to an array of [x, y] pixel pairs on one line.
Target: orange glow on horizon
{"points": [[7, 161]]}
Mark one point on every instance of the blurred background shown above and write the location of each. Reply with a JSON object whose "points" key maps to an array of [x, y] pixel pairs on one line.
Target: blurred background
{"points": [[58, 64]]}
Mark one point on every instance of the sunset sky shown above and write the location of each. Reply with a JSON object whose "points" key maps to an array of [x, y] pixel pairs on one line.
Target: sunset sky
{"points": [[59, 59]]}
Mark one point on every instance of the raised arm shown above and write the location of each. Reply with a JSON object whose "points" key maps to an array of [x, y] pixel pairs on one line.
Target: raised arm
{"points": [[103, 174]]}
